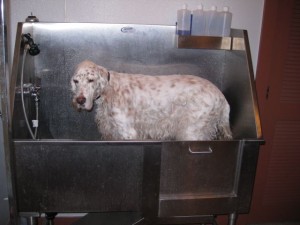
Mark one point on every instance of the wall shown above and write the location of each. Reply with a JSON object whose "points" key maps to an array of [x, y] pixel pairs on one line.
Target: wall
{"points": [[246, 14]]}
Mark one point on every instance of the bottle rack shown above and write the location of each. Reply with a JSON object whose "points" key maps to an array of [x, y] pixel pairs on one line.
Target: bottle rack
{"points": [[234, 42]]}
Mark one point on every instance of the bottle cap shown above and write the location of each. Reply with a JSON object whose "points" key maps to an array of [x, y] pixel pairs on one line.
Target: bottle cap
{"points": [[214, 8], [184, 6], [226, 9]]}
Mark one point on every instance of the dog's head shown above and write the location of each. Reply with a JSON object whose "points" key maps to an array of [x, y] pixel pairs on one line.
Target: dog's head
{"points": [[88, 82]]}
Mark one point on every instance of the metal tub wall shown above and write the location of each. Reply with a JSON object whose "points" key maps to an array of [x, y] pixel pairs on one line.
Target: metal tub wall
{"points": [[70, 170], [133, 49], [182, 178]]}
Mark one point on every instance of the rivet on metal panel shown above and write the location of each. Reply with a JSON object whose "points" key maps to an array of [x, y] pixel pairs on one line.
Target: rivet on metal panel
{"points": [[208, 151]]}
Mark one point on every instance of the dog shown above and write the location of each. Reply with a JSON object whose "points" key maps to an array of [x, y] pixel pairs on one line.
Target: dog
{"points": [[146, 107]]}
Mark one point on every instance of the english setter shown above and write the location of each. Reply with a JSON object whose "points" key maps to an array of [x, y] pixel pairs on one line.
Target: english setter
{"points": [[141, 107]]}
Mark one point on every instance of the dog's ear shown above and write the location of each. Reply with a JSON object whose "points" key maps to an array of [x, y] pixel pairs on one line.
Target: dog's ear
{"points": [[103, 72]]}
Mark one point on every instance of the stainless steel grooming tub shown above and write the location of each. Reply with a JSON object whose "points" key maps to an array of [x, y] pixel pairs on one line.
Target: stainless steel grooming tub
{"points": [[69, 170]]}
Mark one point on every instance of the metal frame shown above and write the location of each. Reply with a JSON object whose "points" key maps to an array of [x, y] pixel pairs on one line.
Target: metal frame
{"points": [[6, 187]]}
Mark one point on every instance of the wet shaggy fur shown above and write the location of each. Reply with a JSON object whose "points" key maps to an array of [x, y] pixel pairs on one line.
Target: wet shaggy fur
{"points": [[141, 107]]}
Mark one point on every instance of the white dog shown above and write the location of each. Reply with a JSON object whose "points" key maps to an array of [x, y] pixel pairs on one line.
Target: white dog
{"points": [[135, 106]]}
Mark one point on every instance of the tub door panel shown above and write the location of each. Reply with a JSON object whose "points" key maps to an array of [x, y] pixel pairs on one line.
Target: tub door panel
{"points": [[80, 177], [197, 177]]}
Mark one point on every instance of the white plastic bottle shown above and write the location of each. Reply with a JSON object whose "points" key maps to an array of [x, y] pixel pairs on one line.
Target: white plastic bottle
{"points": [[226, 21], [213, 22], [184, 21], [199, 21]]}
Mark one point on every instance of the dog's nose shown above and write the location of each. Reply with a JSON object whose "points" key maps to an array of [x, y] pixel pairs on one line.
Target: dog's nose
{"points": [[80, 100]]}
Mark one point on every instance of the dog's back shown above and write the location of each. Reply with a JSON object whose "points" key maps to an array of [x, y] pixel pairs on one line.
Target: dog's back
{"points": [[181, 107]]}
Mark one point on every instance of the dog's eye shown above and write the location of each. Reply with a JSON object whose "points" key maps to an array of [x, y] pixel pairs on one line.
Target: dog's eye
{"points": [[75, 81], [90, 80]]}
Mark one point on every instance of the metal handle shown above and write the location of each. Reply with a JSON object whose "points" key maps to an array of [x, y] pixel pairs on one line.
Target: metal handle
{"points": [[207, 151]]}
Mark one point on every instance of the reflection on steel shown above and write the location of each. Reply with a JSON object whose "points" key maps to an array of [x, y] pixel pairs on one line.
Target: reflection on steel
{"points": [[147, 182]]}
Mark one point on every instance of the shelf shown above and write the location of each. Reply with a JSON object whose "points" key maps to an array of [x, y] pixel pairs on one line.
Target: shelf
{"points": [[208, 42]]}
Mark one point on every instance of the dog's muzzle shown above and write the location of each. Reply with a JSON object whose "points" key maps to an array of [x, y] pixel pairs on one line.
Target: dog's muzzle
{"points": [[80, 100]]}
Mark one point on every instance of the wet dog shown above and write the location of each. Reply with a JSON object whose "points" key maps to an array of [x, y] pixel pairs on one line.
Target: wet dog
{"points": [[141, 107]]}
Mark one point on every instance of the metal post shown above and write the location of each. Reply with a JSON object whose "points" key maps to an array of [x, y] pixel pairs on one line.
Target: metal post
{"points": [[50, 218], [232, 218], [32, 220], [5, 184]]}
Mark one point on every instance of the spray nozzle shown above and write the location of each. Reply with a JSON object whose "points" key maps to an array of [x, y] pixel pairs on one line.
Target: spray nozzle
{"points": [[33, 48]]}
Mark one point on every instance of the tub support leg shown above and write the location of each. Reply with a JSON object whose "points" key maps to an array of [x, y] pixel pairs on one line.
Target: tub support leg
{"points": [[50, 218], [32, 220], [232, 218]]}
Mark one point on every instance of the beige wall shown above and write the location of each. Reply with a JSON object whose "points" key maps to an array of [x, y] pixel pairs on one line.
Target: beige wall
{"points": [[247, 14]]}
